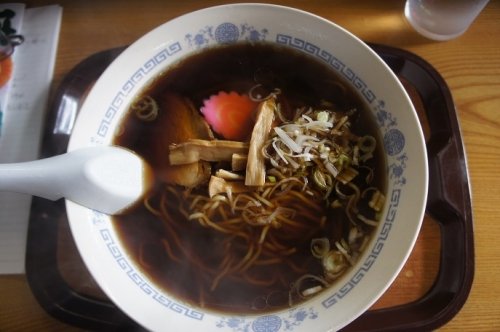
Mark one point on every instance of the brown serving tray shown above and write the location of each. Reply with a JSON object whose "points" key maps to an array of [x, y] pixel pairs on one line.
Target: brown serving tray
{"points": [[430, 290]]}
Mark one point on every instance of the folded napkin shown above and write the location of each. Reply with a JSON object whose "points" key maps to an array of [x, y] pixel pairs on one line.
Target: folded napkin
{"points": [[11, 18], [23, 102]]}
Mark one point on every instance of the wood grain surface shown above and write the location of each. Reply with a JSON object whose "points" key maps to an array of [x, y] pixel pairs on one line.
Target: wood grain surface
{"points": [[469, 64]]}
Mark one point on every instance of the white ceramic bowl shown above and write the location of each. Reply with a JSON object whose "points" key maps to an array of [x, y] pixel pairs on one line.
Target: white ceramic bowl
{"points": [[394, 238]]}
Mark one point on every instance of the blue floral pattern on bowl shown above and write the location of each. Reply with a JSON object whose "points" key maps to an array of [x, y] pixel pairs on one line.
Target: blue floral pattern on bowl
{"points": [[269, 323], [225, 33]]}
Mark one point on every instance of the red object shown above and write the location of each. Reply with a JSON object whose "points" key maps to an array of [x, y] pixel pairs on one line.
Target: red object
{"points": [[5, 71], [230, 115]]}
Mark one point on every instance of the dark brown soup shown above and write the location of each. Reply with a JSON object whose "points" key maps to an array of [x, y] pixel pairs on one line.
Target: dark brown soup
{"points": [[253, 248]]}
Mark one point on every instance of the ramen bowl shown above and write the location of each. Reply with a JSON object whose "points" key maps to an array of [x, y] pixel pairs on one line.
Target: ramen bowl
{"points": [[134, 291]]}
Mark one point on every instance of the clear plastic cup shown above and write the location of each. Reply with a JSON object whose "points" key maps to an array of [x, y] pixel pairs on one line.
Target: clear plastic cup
{"points": [[442, 19]]}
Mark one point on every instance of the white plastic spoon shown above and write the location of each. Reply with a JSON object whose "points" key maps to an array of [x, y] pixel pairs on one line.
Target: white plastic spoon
{"points": [[106, 178]]}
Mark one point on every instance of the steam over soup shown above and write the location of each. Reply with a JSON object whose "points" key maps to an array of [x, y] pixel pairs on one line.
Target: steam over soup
{"points": [[270, 178]]}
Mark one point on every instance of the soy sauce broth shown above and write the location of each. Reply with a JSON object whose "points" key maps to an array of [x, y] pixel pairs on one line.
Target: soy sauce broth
{"points": [[302, 80]]}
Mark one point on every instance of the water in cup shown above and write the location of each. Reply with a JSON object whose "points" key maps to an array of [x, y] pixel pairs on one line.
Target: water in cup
{"points": [[442, 19]]}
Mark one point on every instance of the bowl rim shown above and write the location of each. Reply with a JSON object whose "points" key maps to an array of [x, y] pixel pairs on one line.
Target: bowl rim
{"points": [[76, 141]]}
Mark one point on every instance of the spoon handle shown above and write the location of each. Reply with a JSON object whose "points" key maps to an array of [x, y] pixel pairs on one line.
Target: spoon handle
{"points": [[107, 179], [43, 178]]}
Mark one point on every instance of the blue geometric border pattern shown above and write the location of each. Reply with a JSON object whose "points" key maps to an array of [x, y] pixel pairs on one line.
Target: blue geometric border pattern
{"points": [[393, 140], [143, 284], [130, 84], [331, 60], [377, 248]]}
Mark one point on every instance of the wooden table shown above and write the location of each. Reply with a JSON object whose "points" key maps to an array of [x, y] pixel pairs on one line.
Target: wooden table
{"points": [[469, 64]]}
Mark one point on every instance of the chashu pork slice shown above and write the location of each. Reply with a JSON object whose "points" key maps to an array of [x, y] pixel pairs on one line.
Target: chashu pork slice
{"points": [[179, 121]]}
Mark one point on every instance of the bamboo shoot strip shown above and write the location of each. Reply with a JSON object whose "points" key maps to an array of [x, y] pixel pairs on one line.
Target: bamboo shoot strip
{"points": [[256, 169], [209, 150]]}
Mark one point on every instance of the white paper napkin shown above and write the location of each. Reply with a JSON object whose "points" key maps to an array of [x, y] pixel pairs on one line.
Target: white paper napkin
{"points": [[23, 123]]}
